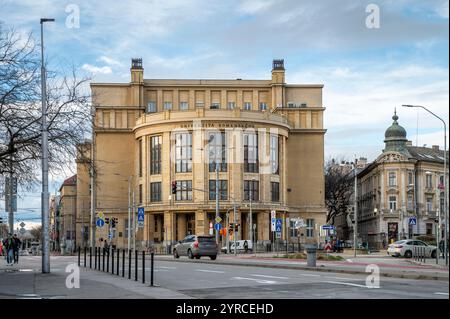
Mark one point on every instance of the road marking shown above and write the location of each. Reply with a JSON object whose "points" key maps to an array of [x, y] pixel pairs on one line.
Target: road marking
{"points": [[213, 271], [267, 276], [309, 275], [157, 270], [349, 260], [348, 284], [164, 267], [261, 281], [441, 293], [342, 278]]}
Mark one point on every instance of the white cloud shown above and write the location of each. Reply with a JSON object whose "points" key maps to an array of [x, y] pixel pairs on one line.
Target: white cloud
{"points": [[254, 6], [97, 69], [110, 61]]}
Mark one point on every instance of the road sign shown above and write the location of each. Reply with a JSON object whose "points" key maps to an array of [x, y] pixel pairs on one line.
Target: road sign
{"points": [[218, 226], [278, 225], [273, 214], [101, 215], [273, 224], [100, 222], [22, 231], [299, 223], [412, 221], [278, 235], [329, 227], [141, 217], [218, 219], [22, 224]]}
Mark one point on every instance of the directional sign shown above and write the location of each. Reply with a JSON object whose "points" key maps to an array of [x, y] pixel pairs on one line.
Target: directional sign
{"points": [[141, 217], [218, 219], [218, 226], [329, 227], [278, 225], [412, 221], [100, 222]]}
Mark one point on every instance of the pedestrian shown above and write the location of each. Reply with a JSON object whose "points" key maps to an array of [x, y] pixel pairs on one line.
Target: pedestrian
{"points": [[16, 247], [384, 243], [245, 246], [8, 243], [1, 247], [441, 247]]}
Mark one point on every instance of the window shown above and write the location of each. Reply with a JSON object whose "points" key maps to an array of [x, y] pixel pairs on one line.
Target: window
{"points": [[199, 104], [251, 153], [183, 152], [441, 182], [410, 178], [155, 192], [251, 188], [410, 202], [231, 105], [429, 204], [155, 156], [429, 181], [441, 202], [184, 190], [392, 179], [217, 151], [247, 106], [393, 203], [215, 106], [275, 191], [429, 229], [310, 228], [293, 232], [184, 105], [140, 158], [223, 189], [262, 106], [151, 107], [167, 105], [274, 154], [140, 194], [126, 228]]}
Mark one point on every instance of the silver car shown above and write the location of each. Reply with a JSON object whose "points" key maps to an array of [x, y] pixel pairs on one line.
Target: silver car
{"points": [[405, 248], [196, 246]]}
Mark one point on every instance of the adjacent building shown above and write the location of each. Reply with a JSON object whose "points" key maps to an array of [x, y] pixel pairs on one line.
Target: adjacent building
{"points": [[162, 145], [68, 214], [401, 193]]}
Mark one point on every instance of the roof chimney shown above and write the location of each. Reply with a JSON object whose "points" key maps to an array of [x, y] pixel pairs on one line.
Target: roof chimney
{"points": [[435, 147]]}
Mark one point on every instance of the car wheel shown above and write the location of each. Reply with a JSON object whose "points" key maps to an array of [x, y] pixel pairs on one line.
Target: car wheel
{"points": [[433, 254], [408, 254], [213, 257], [190, 255], [175, 254]]}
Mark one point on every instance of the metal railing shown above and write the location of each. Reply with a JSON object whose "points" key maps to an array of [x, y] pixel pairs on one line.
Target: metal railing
{"points": [[419, 254]]}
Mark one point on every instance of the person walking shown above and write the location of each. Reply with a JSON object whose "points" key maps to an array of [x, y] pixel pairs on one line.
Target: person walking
{"points": [[16, 247], [1, 247], [245, 246], [9, 246], [441, 247]]}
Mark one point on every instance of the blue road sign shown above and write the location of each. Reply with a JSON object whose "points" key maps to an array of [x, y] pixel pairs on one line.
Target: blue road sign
{"points": [[327, 227], [278, 225], [100, 222], [110, 235], [412, 221], [217, 226], [140, 216]]}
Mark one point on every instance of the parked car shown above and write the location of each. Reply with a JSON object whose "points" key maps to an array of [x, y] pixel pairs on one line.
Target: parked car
{"points": [[196, 246], [240, 244], [405, 248]]}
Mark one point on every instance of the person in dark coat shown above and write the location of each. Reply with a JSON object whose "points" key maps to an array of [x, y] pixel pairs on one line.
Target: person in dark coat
{"points": [[8, 243], [16, 247]]}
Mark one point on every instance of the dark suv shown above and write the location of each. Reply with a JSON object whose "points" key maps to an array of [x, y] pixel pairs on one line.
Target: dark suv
{"points": [[196, 246]]}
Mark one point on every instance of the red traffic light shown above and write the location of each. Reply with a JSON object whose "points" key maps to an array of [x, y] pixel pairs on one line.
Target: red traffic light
{"points": [[174, 187]]}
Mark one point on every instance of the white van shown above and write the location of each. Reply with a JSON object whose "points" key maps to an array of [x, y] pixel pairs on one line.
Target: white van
{"points": [[240, 244]]}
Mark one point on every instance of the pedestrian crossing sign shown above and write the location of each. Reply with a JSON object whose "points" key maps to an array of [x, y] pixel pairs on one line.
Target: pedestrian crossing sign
{"points": [[412, 221]]}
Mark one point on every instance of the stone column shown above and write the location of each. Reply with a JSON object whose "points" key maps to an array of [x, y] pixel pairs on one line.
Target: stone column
{"points": [[182, 232], [150, 227], [263, 226], [169, 223], [200, 222]]}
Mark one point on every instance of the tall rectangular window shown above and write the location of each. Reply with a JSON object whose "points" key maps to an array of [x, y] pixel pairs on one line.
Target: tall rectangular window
{"points": [[292, 230], [429, 181], [155, 157], [392, 179], [140, 158], [429, 204], [410, 178], [441, 202], [155, 192], [184, 106], [247, 106], [217, 151], [393, 203], [310, 228], [223, 189], [275, 191], [183, 152], [251, 188], [140, 194], [184, 190], [125, 228], [410, 202], [151, 107], [274, 154], [231, 105], [429, 229], [167, 105], [262, 106], [251, 153]]}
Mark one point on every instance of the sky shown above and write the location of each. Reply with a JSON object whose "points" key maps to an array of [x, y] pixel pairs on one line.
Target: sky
{"points": [[366, 72]]}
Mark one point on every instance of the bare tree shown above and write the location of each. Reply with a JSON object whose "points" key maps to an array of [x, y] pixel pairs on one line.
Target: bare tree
{"points": [[339, 181], [36, 232], [68, 112]]}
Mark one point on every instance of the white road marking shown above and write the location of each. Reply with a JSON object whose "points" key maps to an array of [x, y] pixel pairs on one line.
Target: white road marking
{"points": [[309, 275], [157, 270], [348, 284], [267, 276], [441, 293], [349, 260], [342, 278], [164, 267], [213, 271], [261, 281]]}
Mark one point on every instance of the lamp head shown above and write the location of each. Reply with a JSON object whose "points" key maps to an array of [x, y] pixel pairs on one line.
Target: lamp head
{"points": [[47, 20]]}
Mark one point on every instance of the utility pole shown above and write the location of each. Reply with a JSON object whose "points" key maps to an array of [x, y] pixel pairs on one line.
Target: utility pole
{"points": [[234, 230], [355, 229], [129, 213], [217, 200], [11, 194], [250, 217], [134, 224], [45, 195], [93, 188]]}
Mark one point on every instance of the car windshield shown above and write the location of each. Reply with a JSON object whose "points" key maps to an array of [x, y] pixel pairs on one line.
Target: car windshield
{"points": [[208, 239]]}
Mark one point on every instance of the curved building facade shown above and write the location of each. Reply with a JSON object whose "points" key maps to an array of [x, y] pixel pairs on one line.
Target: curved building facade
{"points": [[171, 146]]}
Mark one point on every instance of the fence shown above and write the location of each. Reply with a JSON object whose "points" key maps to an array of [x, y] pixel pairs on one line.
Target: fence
{"points": [[98, 258], [419, 254]]}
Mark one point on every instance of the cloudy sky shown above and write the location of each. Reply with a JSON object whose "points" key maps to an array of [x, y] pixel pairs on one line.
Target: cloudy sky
{"points": [[367, 72]]}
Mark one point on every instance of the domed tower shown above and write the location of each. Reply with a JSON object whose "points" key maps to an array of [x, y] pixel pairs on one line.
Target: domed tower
{"points": [[395, 137]]}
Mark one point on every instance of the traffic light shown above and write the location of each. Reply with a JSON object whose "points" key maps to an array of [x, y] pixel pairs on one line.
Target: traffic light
{"points": [[113, 222], [174, 187], [1, 220], [236, 227], [107, 220]]}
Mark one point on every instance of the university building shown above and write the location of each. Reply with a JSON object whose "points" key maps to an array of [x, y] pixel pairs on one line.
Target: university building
{"points": [[401, 193], [263, 140]]}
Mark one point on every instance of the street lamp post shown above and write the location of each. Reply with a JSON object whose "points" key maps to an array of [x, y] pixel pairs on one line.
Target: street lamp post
{"points": [[355, 229], [45, 194], [445, 179]]}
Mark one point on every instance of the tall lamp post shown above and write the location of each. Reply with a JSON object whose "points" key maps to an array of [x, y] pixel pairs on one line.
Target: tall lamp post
{"points": [[355, 229], [45, 195], [445, 179]]}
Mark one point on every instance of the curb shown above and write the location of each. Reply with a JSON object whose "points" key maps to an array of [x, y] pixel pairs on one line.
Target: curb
{"points": [[322, 269]]}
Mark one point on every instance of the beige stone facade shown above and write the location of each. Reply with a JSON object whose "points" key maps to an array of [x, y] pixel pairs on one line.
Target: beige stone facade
{"points": [[266, 135], [68, 213]]}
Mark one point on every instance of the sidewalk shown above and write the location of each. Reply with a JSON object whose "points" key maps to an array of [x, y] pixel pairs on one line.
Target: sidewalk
{"points": [[26, 281]]}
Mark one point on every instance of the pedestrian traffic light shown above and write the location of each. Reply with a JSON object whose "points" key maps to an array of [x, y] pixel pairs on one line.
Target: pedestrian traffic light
{"points": [[174, 187], [107, 220]]}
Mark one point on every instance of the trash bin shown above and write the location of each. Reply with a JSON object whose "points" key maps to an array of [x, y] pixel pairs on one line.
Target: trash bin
{"points": [[311, 254]]}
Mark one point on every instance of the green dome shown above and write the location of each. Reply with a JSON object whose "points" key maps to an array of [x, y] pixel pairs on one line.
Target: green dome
{"points": [[395, 131]]}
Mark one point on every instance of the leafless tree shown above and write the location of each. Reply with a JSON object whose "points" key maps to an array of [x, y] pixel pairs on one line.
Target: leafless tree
{"points": [[36, 232], [339, 182], [68, 111]]}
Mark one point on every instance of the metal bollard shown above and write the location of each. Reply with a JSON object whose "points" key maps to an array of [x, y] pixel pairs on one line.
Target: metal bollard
{"points": [[90, 257], [123, 263], [84, 257], [79, 253], [118, 261], [311, 251], [129, 264], [151, 269], [112, 261], [107, 260], [135, 265], [103, 269], [143, 266], [95, 258]]}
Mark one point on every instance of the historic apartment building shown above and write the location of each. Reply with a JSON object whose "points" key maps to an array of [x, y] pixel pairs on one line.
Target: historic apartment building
{"points": [[404, 181], [265, 138]]}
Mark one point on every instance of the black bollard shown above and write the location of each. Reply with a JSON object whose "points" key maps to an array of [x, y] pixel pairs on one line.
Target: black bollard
{"points": [[151, 269], [79, 257], [135, 265], [118, 258], [129, 264], [103, 269], [143, 267], [95, 258], [84, 257], [123, 263], [90, 257], [107, 260], [112, 261]]}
